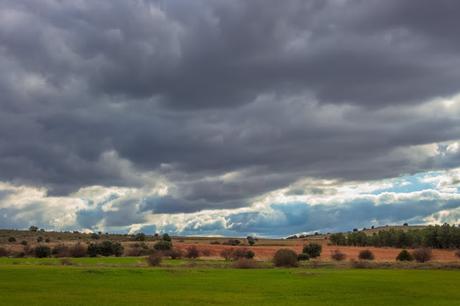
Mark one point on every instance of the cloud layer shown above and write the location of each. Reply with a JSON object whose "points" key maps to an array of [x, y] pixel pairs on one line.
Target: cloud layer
{"points": [[127, 114]]}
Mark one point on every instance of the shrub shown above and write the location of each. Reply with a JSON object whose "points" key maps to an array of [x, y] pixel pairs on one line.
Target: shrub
{"points": [[227, 253], [106, 248], [422, 254], [24, 242], [175, 254], [312, 249], [366, 255], [233, 242], [42, 251], [303, 257], [4, 252], [245, 263], [206, 252], [214, 242], [93, 250], [139, 237], [163, 245], [166, 237], [78, 250], [33, 228], [11, 239], [47, 240], [242, 253], [66, 262], [404, 255], [39, 239], [457, 253], [251, 240], [360, 264], [154, 259], [95, 236], [338, 255], [192, 252], [60, 251], [285, 258]]}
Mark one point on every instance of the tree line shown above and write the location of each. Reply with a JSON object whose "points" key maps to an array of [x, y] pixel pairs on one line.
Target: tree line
{"points": [[438, 236]]}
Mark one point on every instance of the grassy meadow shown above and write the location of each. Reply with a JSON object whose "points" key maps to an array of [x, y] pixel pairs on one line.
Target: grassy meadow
{"points": [[128, 281]]}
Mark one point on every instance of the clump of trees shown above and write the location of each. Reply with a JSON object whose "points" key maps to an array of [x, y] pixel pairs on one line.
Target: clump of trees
{"points": [[105, 248], [313, 250], [235, 254], [439, 236]]}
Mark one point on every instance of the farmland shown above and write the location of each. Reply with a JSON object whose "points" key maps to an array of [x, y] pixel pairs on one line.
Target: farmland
{"points": [[121, 281], [211, 280]]}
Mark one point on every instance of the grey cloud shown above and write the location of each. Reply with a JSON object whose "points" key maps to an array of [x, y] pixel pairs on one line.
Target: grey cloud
{"points": [[274, 91]]}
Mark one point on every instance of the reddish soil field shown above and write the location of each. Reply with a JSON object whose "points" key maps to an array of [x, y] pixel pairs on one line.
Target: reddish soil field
{"points": [[266, 252]]}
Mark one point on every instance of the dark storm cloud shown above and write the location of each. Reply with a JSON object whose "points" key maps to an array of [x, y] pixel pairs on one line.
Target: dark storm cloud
{"points": [[271, 91]]}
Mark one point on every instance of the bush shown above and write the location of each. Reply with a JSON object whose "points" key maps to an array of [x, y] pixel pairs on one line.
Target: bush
{"points": [[245, 263], [60, 251], [47, 240], [138, 249], [360, 264], [95, 236], [175, 254], [226, 254], [242, 253], [163, 245], [39, 239], [251, 240], [42, 251], [24, 242], [366, 255], [66, 262], [404, 255], [206, 252], [33, 228], [233, 242], [192, 252], [11, 239], [422, 254], [78, 250], [166, 237], [285, 258], [4, 252], [106, 248], [139, 237], [338, 255], [154, 259], [312, 249], [457, 253], [214, 242], [303, 257]]}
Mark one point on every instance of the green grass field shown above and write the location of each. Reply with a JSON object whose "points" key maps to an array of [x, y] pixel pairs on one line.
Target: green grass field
{"points": [[127, 281]]}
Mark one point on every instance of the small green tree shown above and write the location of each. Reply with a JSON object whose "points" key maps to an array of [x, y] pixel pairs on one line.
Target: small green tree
{"points": [[42, 251], [11, 239], [33, 228], [139, 237], [313, 250], [162, 245], [404, 255]]}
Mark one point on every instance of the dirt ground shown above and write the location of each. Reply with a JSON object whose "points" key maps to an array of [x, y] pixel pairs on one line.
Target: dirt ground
{"points": [[266, 252]]}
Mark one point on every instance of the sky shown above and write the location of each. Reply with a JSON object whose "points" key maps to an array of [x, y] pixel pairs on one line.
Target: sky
{"points": [[234, 118]]}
